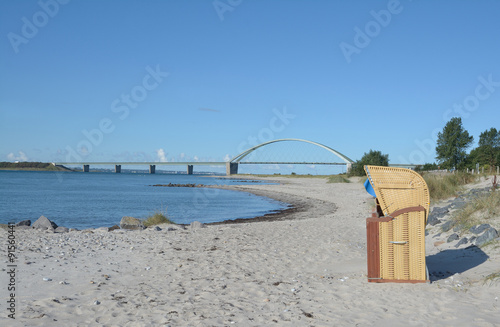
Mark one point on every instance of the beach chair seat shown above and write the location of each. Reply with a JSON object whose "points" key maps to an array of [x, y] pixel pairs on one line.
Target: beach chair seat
{"points": [[396, 238]]}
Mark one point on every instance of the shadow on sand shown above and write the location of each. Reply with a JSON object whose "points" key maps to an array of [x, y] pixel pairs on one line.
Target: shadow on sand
{"points": [[449, 262]]}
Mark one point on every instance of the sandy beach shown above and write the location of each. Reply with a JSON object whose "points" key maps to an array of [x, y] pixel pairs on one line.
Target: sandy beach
{"points": [[306, 267]]}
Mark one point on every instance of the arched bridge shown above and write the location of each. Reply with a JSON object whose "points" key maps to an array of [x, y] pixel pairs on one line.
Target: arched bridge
{"points": [[232, 165]]}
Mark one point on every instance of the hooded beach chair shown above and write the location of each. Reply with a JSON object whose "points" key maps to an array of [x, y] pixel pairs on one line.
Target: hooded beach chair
{"points": [[396, 232]]}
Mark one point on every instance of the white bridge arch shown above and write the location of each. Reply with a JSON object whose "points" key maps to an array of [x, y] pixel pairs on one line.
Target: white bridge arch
{"points": [[232, 165]]}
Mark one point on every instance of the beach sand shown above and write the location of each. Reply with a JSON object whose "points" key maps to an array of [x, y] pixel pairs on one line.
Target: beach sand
{"points": [[304, 268]]}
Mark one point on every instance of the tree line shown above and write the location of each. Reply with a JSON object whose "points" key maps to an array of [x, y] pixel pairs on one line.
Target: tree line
{"points": [[454, 140], [451, 150]]}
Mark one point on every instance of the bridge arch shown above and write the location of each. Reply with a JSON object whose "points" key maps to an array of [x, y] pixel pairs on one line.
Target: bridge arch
{"points": [[232, 165]]}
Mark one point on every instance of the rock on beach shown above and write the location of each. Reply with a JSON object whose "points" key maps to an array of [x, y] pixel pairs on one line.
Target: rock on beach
{"points": [[24, 223], [131, 223], [489, 235], [44, 223]]}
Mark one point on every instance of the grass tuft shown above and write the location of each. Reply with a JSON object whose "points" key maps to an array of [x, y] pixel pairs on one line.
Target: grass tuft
{"points": [[293, 175], [492, 277], [338, 179], [157, 218]]}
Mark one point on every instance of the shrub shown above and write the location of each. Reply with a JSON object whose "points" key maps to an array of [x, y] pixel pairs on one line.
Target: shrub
{"points": [[375, 158]]}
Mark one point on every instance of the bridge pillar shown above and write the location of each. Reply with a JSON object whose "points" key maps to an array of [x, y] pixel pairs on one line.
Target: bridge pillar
{"points": [[152, 169], [349, 167], [118, 168], [86, 168], [231, 168], [190, 169]]}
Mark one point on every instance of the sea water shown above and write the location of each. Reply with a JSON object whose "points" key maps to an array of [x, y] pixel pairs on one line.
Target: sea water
{"points": [[89, 200]]}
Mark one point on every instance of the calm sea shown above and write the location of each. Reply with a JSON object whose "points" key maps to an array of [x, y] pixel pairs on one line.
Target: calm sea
{"points": [[90, 200]]}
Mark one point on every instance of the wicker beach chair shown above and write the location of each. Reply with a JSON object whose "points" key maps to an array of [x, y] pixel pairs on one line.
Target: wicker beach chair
{"points": [[396, 237]]}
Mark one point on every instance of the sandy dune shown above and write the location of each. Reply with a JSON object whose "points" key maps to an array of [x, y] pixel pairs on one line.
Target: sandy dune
{"points": [[306, 269]]}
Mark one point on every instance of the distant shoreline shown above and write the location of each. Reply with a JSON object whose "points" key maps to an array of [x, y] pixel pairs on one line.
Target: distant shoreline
{"points": [[32, 166], [36, 169]]}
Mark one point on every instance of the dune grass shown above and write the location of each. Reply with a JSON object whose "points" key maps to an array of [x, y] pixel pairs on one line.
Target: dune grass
{"points": [[478, 211], [157, 218], [445, 186]]}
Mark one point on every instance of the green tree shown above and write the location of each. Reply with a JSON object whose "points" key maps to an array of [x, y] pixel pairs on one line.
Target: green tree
{"points": [[472, 159], [490, 137], [488, 151], [375, 158], [452, 144]]}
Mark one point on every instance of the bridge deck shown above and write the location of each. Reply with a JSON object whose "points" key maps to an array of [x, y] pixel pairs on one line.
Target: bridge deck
{"points": [[215, 163], [289, 163]]}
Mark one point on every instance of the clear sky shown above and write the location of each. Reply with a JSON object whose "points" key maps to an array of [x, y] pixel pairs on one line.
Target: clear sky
{"points": [[186, 80]]}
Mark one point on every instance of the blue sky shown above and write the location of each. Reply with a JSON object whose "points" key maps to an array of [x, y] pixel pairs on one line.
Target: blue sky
{"points": [[203, 80]]}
